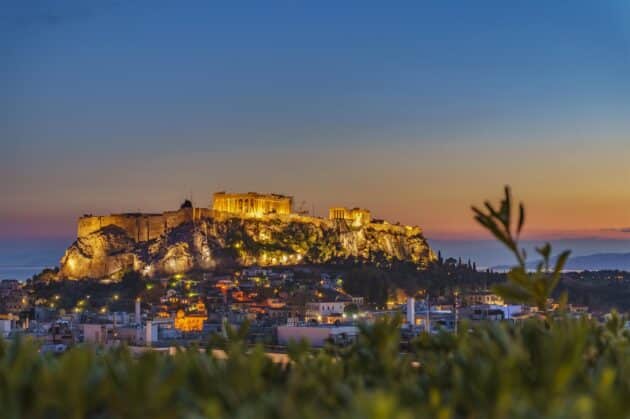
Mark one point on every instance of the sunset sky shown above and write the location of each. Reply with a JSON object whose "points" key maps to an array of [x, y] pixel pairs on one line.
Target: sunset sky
{"points": [[415, 111]]}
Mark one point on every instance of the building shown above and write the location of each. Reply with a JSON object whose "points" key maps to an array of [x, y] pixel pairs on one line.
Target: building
{"points": [[358, 300], [8, 286], [13, 298], [357, 216], [495, 312], [317, 336], [8, 323], [159, 329], [191, 320], [320, 311], [483, 297], [98, 334], [252, 204]]}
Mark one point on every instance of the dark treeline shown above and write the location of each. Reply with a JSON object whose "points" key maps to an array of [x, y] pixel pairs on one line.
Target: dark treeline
{"points": [[441, 278]]}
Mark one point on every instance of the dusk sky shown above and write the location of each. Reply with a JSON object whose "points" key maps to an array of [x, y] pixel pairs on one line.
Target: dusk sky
{"points": [[415, 111]]}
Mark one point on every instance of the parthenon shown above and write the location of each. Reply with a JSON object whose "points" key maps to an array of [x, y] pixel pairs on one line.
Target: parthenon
{"points": [[252, 203]]}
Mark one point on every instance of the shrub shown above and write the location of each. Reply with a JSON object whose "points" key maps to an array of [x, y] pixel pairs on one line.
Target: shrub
{"points": [[562, 369]]}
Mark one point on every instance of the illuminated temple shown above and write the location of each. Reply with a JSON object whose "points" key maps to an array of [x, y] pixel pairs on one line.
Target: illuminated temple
{"points": [[252, 203], [357, 216]]}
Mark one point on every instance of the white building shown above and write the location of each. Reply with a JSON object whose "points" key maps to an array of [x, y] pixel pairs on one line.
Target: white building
{"points": [[7, 324], [317, 336], [495, 312], [96, 333], [317, 310], [483, 297]]}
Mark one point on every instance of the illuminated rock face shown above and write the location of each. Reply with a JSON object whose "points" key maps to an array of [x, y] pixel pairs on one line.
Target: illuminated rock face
{"points": [[211, 242], [100, 254]]}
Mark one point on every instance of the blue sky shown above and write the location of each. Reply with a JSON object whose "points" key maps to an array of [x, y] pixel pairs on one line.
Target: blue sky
{"points": [[414, 109]]}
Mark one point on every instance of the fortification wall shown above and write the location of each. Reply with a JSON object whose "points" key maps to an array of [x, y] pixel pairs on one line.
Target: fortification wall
{"points": [[150, 227], [201, 213], [87, 225], [90, 224], [140, 227], [173, 219]]}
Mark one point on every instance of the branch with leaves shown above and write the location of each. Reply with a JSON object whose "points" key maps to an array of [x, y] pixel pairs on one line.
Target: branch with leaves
{"points": [[523, 287]]}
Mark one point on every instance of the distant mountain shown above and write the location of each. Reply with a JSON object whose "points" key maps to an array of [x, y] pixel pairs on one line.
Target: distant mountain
{"points": [[596, 262]]}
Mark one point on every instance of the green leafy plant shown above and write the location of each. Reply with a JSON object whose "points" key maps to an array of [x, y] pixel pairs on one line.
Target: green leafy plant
{"points": [[533, 288], [573, 369]]}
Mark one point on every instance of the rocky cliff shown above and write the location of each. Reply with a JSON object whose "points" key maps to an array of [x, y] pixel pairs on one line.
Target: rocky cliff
{"points": [[210, 243]]}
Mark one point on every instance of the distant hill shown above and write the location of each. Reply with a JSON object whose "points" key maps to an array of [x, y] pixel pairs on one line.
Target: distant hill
{"points": [[596, 262]]}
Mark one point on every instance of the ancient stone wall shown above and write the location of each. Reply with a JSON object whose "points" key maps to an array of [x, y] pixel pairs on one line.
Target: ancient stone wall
{"points": [[90, 224], [87, 225], [149, 227], [140, 227]]}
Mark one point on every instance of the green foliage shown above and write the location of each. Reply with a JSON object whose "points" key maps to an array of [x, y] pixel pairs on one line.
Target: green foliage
{"points": [[368, 282], [598, 290], [574, 369], [522, 287], [439, 279]]}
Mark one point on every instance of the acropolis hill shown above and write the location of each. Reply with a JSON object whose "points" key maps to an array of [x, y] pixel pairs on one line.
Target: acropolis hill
{"points": [[235, 230]]}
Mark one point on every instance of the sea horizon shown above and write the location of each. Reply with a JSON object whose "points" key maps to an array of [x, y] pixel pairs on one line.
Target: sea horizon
{"points": [[21, 273]]}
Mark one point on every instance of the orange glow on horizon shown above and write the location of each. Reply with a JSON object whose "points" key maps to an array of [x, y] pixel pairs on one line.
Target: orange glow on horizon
{"points": [[566, 191]]}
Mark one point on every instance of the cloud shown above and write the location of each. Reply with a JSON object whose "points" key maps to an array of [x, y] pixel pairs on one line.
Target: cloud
{"points": [[625, 230], [52, 14]]}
